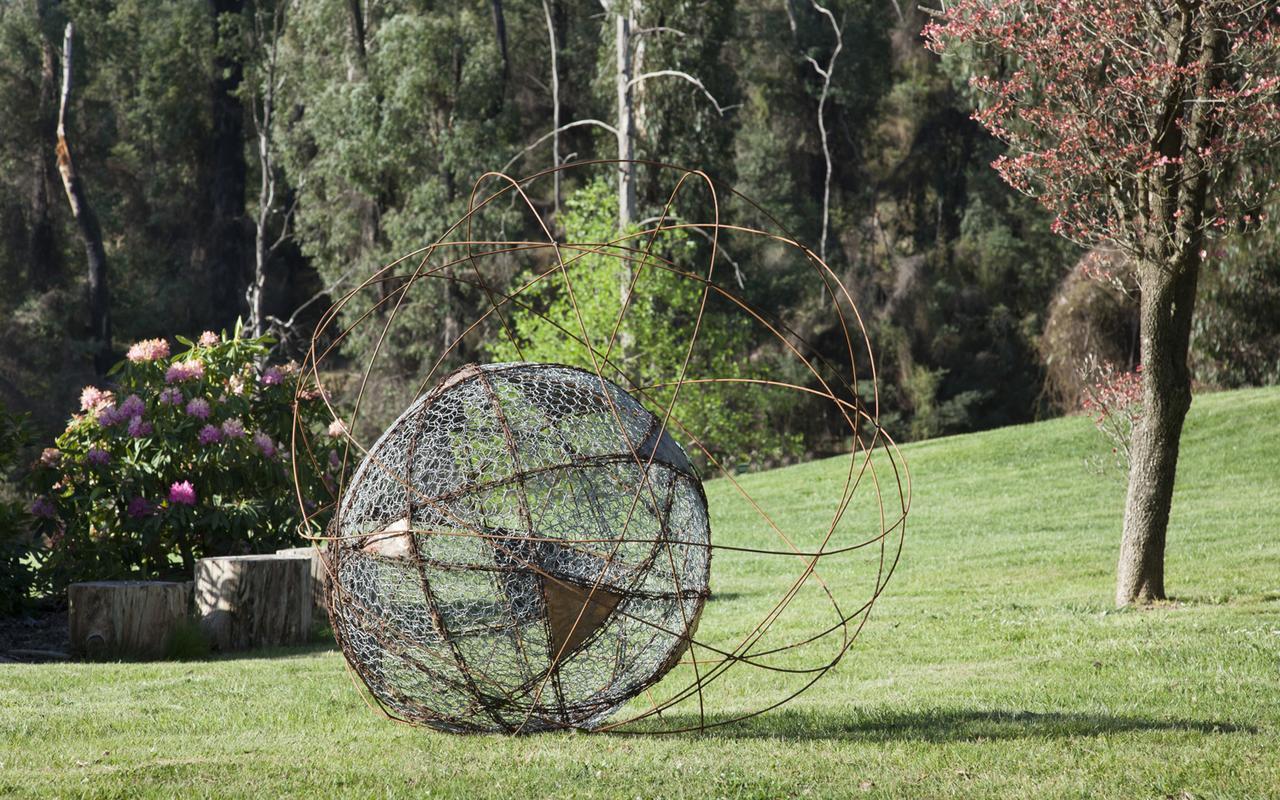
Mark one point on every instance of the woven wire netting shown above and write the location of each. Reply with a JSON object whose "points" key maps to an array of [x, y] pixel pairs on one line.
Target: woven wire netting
{"points": [[528, 547]]}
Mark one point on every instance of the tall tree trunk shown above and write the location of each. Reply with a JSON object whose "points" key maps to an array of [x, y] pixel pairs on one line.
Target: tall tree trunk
{"points": [[1167, 302], [1168, 296], [86, 224], [624, 19], [228, 239], [555, 103]]}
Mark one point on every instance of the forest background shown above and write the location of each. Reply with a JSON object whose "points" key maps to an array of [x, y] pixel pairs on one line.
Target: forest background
{"points": [[257, 160]]}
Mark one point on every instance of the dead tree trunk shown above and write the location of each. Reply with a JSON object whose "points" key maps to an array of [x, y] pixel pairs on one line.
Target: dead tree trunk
{"points": [[624, 21], [555, 102], [254, 601], [125, 619], [263, 107], [86, 224]]}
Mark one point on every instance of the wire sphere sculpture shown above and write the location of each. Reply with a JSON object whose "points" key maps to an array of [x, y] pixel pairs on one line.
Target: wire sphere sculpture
{"points": [[558, 562], [528, 546]]}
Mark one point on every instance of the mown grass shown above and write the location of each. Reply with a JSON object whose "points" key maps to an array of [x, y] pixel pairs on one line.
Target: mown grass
{"points": [[993, 666]]}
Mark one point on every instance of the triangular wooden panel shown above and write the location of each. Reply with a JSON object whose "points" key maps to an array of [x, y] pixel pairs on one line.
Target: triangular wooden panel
{"points": [[565, 603]]}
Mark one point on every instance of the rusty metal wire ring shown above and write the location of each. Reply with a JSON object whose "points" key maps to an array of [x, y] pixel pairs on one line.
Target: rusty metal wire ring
{"points": [[466, 261]]}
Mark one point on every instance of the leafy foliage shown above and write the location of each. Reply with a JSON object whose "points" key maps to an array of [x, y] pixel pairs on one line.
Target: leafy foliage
{"points": [[562, 312], [187, 456]]}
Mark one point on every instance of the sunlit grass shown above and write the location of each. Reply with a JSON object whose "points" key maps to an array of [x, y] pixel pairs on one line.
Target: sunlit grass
{"points": [[994, 664]]}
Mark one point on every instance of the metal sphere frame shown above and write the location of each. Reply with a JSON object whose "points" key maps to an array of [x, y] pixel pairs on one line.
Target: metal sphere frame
{"points": [[815, 564]]}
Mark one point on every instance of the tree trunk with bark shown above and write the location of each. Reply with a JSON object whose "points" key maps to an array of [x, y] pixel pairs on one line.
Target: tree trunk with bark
{"points": [[624, 21], [1167, 302], [86, 224], [1168, 281]]}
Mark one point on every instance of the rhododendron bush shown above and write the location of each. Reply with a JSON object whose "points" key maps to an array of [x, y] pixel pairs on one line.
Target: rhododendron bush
{"points": [[181, 456]]}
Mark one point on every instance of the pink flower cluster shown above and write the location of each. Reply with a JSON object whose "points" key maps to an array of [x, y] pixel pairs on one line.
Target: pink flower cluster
{"points": [[272, 376], [50, 457], [209, 339], [94, 399], [171, 396], [209, 434], [198, 408], [264, 443], [43, 507], [190, 370], [233, 429], [138, 427], [141, 507], [182, 493], [148, 350]]}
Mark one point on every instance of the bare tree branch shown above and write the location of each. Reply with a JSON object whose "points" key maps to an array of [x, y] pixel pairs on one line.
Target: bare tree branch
{"points": [[675, 73], [561, 129], [825, 73]]}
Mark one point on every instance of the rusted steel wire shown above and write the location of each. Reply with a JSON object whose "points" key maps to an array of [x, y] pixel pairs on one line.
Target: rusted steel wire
{"points": [[528, 546]]}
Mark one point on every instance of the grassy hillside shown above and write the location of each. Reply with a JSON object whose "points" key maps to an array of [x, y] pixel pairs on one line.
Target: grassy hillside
{"points": [[993, 666]]}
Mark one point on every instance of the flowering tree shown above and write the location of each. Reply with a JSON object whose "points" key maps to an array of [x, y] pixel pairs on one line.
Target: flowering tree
{"points": [[1146, 127], [183, 458]]}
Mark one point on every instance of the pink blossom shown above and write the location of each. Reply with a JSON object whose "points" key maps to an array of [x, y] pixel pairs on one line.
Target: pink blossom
{"points": [[50, 457], [93, 398], [171, 396], [337, 428], [272, 376], [209, 434], [192, 369], [198, 408], [209, 339], [132, 406], [264, 443], [138, 427], [142, 507], [148, 350], [236, 385], [108, 416], [182, 493], [97, 456], [43, 507], [233, 429]]}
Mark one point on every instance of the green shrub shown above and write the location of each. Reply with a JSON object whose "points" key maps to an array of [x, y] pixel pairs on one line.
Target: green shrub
{"points": [[733, 422], [187, 456]]}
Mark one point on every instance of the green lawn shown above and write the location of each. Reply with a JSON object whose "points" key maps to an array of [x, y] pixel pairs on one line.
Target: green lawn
{"points": [[993, 665]]}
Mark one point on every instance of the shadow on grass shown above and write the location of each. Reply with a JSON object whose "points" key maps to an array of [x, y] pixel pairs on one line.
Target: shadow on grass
{"points": [[313, 647], [939, 725]]}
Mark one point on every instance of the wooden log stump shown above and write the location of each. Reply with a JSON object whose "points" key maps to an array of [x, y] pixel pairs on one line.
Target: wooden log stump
{"points": [[254, 601], [125, 619], [319, 576]]}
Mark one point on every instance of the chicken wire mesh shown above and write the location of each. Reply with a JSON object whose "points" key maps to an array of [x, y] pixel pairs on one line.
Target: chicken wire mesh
{"points": [[527, 547]]}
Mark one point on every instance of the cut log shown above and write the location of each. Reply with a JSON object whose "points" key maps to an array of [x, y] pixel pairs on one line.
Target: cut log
{"points": [[125, 619], [254, 601], [319, 575]]}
